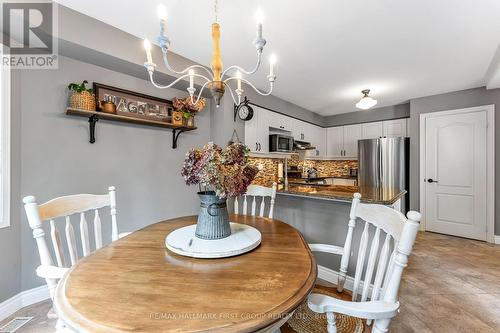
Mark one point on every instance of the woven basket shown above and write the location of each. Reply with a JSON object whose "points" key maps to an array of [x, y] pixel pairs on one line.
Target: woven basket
{"points": [[83, 101], [306, 321]]}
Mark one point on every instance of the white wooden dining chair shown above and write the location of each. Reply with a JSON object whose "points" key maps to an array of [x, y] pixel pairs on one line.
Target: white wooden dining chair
{"points": [[374, 294], [65, 206], [256, 191]]}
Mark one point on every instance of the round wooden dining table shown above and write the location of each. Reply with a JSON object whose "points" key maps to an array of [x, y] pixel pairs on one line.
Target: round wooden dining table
{"points": [[136, 285]]}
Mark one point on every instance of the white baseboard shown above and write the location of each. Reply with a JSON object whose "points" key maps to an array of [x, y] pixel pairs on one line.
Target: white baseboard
{"points": [[332, 276], [23, 299], [497, 239]]}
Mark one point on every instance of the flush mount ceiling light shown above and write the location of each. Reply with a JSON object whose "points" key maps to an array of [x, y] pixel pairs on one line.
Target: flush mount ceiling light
{"points": [[366, 102], [214, 81]]}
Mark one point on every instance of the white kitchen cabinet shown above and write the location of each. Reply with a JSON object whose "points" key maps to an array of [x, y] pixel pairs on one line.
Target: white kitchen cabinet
{"points": [[257, 131], [372, 130], [342, 141], [316, 135], [352, 133], [335, 141], [279, 121], [264, 122], [394, 128], [299, 129]]}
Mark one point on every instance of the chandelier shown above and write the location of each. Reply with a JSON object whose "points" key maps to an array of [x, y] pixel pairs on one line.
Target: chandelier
{"points": [[215, 77]]}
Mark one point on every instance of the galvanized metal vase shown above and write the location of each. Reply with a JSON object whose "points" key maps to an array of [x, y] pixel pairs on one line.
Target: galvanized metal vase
{"points": [[213, 220]]}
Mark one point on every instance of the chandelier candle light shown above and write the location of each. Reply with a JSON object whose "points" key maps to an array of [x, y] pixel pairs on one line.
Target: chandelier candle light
{"points": [[216, 74]]}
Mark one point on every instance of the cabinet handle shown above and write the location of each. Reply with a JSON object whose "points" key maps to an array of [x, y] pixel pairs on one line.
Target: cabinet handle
{"points": [[259, 146], [256, 146]]}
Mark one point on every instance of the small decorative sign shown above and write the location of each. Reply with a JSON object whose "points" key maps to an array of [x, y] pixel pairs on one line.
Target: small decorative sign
{"points": [[133, 104]]}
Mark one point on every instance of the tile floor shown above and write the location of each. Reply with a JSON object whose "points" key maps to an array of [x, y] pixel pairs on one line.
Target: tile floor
{"points": [[451, 285]]}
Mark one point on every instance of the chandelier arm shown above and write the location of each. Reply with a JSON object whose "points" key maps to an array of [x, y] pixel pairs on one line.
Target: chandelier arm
{"points": [[199, 94], [203, 77], [271, 84], [167, 86], [235, 67], [165, 60], [232, 95]]}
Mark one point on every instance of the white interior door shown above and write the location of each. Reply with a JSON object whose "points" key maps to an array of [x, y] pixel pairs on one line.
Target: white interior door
{"points": [[455, 174]]}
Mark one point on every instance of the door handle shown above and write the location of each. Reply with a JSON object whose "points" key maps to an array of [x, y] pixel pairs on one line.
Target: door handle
{"points": [[430, 180]]}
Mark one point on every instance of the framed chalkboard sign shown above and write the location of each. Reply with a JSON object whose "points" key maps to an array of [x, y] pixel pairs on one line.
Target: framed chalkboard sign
{"points": [[132, 104]]}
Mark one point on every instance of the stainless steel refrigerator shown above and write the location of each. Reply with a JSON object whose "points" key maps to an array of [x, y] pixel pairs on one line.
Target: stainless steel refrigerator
{"points": [[384, 164]]}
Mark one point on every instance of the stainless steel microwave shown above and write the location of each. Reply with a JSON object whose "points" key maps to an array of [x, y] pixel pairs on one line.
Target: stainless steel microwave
{"points": [[280, 143]]}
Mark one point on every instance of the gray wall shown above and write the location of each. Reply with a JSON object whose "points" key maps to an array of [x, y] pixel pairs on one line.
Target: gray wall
{"points": [[450, 101], [378, 114], [52, 156], [57, 159], [10, 244]]}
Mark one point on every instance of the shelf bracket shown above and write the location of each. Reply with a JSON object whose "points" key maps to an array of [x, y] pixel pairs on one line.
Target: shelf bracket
{"points": [[92, 120], [175, 136]]}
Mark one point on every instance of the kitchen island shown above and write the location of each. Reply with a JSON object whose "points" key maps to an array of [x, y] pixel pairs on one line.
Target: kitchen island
{"points": [[384, 196], [321, 214]]}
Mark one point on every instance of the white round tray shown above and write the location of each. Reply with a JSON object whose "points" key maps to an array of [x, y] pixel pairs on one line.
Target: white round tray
{"points": [[243, 238]]}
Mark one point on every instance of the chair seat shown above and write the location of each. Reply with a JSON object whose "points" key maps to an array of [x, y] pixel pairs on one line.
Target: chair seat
{"points": [[306, 321]]}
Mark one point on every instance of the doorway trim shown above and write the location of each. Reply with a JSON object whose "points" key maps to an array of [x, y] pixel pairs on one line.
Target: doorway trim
{"points": [[490, 163]]}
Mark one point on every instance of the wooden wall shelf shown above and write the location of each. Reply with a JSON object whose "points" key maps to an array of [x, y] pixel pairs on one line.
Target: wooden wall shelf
{"points": [[94, 116]]}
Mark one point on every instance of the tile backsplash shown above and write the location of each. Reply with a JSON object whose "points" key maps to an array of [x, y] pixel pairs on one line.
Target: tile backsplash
{"points": [[268, 168]]}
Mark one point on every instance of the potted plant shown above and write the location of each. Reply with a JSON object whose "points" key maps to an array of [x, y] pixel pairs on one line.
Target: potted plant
{"points": [[184, 107], [220, 174], [81, 96]]}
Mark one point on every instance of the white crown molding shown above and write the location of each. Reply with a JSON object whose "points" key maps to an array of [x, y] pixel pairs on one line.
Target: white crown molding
{"points": [[23, 299]]}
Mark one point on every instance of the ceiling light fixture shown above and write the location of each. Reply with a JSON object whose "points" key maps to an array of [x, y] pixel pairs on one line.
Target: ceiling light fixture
{"points": [[214, 81], [366, 102]]}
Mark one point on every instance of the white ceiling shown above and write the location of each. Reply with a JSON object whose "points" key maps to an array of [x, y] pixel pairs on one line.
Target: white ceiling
{"points": [[329, 50]]}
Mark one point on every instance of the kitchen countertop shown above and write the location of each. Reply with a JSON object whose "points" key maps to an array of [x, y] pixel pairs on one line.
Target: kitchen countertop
{"points": [[321, 176], [386, 196]]}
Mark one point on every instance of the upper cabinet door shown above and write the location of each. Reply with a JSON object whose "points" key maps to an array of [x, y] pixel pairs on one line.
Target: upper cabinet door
{"points": [[395, 128], [298, 129], [251, 134], [257, 131], [372, 130], [316, 135], [335, 141], [320, 141], [352, 134], [279, 121]]}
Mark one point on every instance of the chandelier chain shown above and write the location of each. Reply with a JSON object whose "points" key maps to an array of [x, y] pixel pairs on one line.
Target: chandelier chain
{"points": [[216, 10]]}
